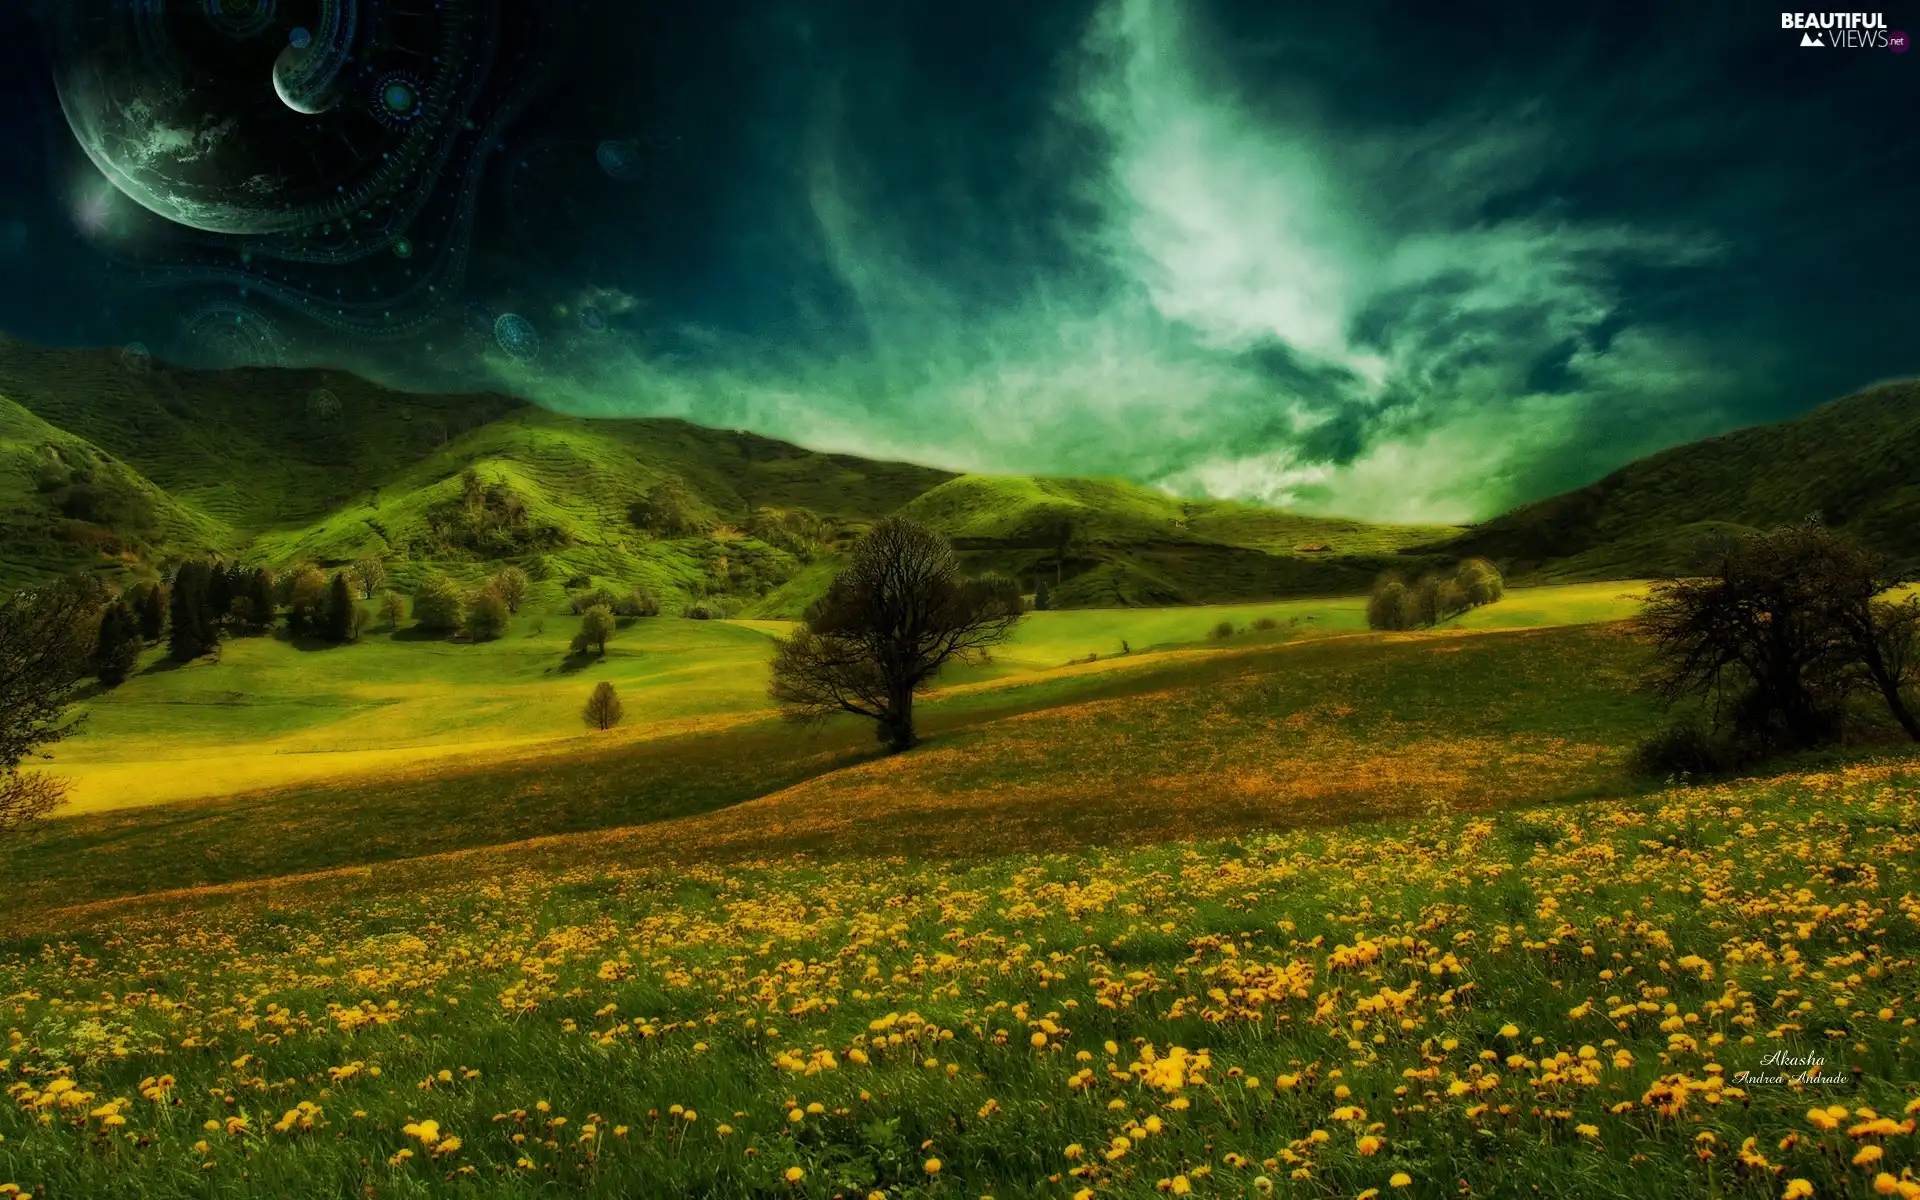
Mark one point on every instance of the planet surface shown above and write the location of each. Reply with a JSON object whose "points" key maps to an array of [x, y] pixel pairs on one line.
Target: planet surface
{"points": [[249, 117]]}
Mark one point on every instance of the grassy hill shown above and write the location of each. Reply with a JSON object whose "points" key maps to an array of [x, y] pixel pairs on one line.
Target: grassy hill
{"points": [[1854, 462], [284, 466]]}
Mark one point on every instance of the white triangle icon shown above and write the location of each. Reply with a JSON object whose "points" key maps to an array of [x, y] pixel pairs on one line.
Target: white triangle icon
{"points": [[1807, 39]]}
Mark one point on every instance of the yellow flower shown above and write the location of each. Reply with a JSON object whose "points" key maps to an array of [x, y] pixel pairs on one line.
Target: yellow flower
{"points": [[933, 1166], [1400, 1179], [1369, 1145], [1867, 1156], [1885, 1184], [1797, 1189], [795, 1174], [1507, 1031], [1589, 1131], [1180, 1186]]}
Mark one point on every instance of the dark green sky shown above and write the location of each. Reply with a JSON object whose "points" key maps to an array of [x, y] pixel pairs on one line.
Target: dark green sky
{"points": [[1393, 260]]}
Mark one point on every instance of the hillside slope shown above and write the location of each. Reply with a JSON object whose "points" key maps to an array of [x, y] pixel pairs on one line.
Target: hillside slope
{"points": [[1854, 462], [285, 466], [1108, 543]]}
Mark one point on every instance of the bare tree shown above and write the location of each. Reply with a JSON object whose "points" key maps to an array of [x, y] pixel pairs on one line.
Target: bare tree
{"points": [[887, 624], [603, 707], [47, 637], [511, 585], [369, 573], [1782, 630]]}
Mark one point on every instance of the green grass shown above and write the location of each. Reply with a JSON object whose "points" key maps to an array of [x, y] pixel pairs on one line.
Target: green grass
{"points": [[273, 712], [1854, 462], [1458, 1002], [1250, 733], [236, 463]]}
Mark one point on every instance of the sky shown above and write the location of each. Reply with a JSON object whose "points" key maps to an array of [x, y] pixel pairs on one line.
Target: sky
{"points": [[1396, 261]]}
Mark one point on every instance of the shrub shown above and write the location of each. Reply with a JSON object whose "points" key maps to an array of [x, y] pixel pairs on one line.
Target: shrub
{"points": [[600, 597], [670, 509], [640, 602], [1688, 748], [603, 707], [438, 605], [1222, 631], [487, 615], [1042, 597], [704, 610], [1265, 624], [579, 581], [392, 609]]}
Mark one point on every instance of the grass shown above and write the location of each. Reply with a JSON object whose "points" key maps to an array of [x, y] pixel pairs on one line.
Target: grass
{"points": [[1853, 462], [1260, 734], [1584, 994], [237, 463], [273, 713]]}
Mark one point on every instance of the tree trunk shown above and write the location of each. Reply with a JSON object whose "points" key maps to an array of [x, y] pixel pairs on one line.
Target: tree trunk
{"points": [[899, 723], [1883, 679]]}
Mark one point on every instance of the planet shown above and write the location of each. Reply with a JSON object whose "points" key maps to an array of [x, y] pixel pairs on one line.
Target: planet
{"points": [[515, 335], [306, 74], [166, 99], [621, 160]]}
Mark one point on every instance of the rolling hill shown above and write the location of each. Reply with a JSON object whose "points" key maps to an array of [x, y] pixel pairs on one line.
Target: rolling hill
{"points": [[1854, 462], [285, 466]]}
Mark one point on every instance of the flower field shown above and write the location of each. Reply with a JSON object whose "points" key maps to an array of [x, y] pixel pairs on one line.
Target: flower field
{"points": [[1578, 1000]]}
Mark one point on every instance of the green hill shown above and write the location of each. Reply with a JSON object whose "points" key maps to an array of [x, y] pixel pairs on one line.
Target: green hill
{"points": [[1108, 543], [285, 466], [1854, 462]]}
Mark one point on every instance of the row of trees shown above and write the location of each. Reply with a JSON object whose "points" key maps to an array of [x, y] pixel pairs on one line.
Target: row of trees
{"points": [[1435, 597]]}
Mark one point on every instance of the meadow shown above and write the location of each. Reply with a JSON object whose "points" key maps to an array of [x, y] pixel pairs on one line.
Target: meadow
{"points": [[1580, 998], [1297, 909], [275, 713]]}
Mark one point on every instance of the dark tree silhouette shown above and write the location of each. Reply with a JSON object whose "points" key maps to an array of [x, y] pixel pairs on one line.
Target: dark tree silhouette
{"points": [[152, 607], [339, 618], [116, 649], [47, 637], [603, 707], [193, 631], [887, 624], [1784, 627]]}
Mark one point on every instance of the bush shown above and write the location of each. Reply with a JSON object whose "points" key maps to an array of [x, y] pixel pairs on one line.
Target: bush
{"points": [[1692, 750], [600, 597], [392, 609], [670, 509], [1222, 631], [579, 581], [640, 602], [1265, 624], [438, 605], [705, 610], [487, 615]]}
